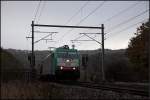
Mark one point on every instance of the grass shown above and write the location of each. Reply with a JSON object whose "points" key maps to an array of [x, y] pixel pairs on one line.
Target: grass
{"points": [[23, 90], [46, 90]]}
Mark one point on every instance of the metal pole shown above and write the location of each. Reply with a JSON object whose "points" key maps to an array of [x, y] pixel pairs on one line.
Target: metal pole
{"points": [[103, 74], [32, 58], [32, 43]]}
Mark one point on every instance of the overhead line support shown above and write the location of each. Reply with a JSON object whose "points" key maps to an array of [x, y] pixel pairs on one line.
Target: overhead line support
{"points": [[92, 38], [103, 52], [90, 33], [32, 54], [65, 26]]}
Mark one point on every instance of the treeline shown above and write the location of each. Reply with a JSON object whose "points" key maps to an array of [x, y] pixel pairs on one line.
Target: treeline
{"points": [[138, 51]]}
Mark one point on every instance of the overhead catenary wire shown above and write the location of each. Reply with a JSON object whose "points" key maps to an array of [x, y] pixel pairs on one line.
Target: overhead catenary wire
{"points": [[126, 21], [37, 10], [77, 12], [38, 19], [99, 6], [43, 38], [78, 37], [69, 20], [43, 8], [93, 39], [83, 36], [124, 29], [36, 13], [121, 12], [85, 19]]}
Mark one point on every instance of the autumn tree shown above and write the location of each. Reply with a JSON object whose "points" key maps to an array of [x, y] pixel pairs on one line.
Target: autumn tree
{"points": [[137, 50]]}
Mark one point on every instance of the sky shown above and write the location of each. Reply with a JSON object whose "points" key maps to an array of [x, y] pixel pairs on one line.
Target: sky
{"points": [[17, 16]]}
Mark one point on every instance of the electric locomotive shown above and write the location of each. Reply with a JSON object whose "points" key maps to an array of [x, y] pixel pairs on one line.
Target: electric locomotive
{"points": [[62, 63]]}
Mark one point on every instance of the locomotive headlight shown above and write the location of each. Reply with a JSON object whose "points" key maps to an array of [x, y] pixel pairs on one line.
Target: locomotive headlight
{"points": [[73, 68], [61, 67], [67, 60]]}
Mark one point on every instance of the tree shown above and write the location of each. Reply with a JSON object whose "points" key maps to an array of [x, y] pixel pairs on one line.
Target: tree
{"points": [[137, 50]]}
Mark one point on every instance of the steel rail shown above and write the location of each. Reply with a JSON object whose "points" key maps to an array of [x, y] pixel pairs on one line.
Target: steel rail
{"points": [[110, 87]]}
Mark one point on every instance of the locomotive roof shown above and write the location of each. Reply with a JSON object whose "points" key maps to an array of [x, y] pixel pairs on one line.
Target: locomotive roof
{"points": [[63, 49]]}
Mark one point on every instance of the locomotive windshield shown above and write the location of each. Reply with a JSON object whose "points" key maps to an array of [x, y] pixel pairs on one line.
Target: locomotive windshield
{"points": [[67, 59], [72, 55]]}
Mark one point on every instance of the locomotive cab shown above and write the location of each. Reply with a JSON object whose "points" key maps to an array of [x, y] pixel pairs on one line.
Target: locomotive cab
{"points": [[67, 63], [62, 63]]}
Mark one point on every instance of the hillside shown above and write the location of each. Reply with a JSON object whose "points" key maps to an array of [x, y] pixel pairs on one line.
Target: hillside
{"points": [[11, 68], [93, 69], [22, 56], [9, 61]]}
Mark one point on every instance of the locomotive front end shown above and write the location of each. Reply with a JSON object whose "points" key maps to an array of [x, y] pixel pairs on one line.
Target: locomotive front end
{"points": [[68, 64]]}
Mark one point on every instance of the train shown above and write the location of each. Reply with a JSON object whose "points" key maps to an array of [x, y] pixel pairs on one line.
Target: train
{"points": [[62, 63]]}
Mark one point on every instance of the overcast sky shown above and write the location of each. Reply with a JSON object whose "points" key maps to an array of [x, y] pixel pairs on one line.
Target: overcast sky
{"points": [[17, 16]]}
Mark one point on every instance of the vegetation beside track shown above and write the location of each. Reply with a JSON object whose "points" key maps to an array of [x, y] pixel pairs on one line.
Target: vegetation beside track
{"points": [[46, 90]]}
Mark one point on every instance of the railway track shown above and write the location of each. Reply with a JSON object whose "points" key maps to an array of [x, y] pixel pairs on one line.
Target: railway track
{"points": [[110, 87]]}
